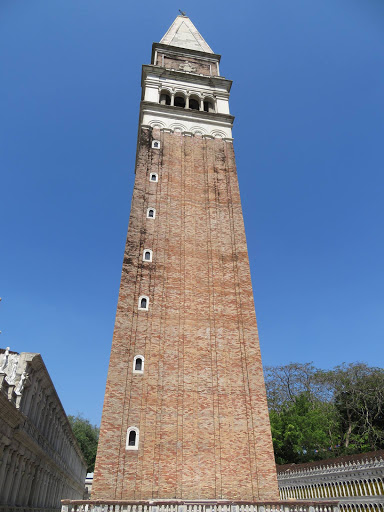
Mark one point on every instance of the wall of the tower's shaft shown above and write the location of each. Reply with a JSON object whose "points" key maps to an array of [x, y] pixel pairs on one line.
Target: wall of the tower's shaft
{"points": [[200, 405]]}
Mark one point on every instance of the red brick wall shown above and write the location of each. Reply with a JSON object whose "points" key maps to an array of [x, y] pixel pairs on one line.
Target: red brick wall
{"points": [[200, 405]]}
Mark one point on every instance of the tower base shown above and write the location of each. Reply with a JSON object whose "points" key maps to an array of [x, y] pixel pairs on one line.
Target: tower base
{"points": [[197, 506]]}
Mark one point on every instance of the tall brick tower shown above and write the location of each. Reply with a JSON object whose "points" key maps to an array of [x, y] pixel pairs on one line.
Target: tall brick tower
{"points": [[185, 412]]}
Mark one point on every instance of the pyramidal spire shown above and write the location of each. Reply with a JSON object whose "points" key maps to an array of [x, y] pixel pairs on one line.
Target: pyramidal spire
{"points": [[184, 34]]}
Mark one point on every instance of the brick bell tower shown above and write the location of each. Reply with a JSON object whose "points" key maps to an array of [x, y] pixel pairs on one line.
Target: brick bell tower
{"points": [[185, 413]]}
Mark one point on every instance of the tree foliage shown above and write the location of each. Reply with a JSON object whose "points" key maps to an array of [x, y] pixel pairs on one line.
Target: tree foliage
{"points": [[317, 414], [87, 436]]}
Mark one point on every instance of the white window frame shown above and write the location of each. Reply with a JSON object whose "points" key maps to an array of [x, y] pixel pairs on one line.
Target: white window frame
{"points": [[153, 174], [154, 213], [136, 446], [142, 364], [153, 144], [139, 305], [150, 255]]}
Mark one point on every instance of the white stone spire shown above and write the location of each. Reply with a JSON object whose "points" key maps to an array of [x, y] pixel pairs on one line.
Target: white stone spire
{"points": [[184, 34]]}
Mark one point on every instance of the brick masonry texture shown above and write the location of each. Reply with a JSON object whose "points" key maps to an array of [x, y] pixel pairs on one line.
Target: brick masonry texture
{"points": [[200, 405]]}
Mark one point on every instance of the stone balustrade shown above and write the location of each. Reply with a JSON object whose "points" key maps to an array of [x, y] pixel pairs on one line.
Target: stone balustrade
{"points": [[6, 508], [196, 506], [355, 481]]}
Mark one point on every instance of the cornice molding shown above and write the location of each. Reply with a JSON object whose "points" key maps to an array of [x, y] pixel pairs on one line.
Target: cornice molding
{"points": [[193, 78], [177, 50]]}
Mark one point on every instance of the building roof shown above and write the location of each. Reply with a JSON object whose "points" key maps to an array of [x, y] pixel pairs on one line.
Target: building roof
{"points": [[184, 34]]}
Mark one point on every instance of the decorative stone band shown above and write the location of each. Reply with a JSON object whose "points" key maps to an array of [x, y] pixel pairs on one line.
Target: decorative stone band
{"points": [[186, 133], [8, 508], [172, 119], [196, 506]]}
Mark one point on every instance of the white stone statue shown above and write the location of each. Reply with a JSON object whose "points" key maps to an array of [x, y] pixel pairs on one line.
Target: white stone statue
{"points": [[21, 383], [12, 375], [5, 361]]}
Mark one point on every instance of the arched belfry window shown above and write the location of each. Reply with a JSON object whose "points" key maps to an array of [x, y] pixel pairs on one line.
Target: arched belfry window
{"points": [[209, 105], [132, 442], [194, 103], [138, 364], [151, 213], [143, 303], [165, 98], [147, 255], [179, 100]]}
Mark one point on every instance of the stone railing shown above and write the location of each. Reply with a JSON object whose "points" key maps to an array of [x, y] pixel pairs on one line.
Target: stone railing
{"points": [[355, 481], [7, 508], [196, 506]]}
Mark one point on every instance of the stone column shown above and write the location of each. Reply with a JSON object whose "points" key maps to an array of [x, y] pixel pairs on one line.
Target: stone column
{"points": [[43, 419], [19, 473], [28, 485], [3, 465], [32, 408], [28, 392], [39, 488], [48, 491], [32, 490], [9, 478], [39, 410], [55, 500], [44, 489]]}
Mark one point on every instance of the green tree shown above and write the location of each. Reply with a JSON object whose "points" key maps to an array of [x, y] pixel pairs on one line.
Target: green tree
{"points": [[87, 436], [358, 395], [316, 414], [285, 383], [304, 430]]}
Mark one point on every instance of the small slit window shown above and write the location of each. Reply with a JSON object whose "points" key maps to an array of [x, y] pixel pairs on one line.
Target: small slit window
{"points": [[151, 213], [132, 438], [153, 177], [143, 303], [138, 364], [156, 144], [147, 255]]}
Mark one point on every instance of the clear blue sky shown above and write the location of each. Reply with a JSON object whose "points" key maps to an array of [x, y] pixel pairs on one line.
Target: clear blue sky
{"points": [[308, 100]]}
